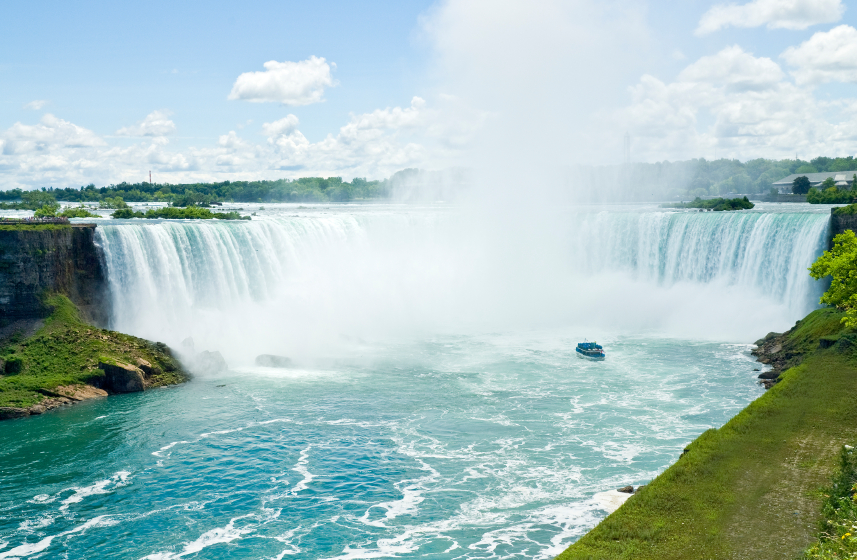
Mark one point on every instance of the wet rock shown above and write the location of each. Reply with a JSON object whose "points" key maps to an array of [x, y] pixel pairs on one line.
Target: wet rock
{"points": [[9, 412], [37, 409], [773, 374], [270, 360], [148, 368], [756, 369], [123, 378], [626, 489], [210, 362]]}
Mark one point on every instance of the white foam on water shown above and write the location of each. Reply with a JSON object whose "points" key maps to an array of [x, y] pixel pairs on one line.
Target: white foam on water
{"points": [[412, 496], [301, 468], [160, 452], [106, 486], [29, 549], [610, 500], [214, 536]]}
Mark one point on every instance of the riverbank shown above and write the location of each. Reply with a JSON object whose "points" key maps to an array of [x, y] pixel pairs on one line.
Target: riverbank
{"points": [[60, 360], [750, 489]]}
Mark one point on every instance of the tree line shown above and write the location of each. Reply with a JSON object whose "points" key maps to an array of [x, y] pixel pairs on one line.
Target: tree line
{"points": [[305, 189]]}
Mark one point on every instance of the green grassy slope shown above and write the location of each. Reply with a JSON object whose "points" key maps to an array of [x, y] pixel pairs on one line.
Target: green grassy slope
{"points": [[751, 488], [65, 351]]}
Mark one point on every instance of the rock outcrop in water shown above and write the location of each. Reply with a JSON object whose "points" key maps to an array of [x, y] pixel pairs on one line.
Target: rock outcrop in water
{"points": [[271, 360]]}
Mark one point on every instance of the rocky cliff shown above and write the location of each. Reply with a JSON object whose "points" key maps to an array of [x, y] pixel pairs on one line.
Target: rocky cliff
{"points": [[839, 223], [42, 258]]}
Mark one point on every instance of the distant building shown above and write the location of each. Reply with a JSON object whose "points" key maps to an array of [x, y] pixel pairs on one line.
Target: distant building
{"points": [[843, 180]]}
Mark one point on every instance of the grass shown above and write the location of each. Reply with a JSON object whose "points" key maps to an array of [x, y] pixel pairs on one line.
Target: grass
{"points": [[751, 488], [66, 351], [838, 536], [29, 227]]}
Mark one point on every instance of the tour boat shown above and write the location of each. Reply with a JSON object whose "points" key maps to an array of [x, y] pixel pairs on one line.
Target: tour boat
{"points": [[591, 350]]}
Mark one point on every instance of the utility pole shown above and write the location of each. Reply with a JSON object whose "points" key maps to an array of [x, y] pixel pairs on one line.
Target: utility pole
{"points": [[150, 176]]}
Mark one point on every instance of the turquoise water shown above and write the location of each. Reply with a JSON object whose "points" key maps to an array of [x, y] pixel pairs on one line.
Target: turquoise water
{"points": [[477, 447], [436, 407]]}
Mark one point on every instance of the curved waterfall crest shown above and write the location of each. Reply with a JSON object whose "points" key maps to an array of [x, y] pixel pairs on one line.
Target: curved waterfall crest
{"points": [[340, 272]]}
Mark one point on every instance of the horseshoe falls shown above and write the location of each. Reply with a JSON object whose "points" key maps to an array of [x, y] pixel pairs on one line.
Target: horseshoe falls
{"points": [[435, 406]]}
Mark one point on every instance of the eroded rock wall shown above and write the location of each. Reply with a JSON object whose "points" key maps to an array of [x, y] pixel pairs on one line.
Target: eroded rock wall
{"points": [[39, 259]]}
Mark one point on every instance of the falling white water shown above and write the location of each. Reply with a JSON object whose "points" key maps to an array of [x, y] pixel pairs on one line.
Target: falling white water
{"points": [[305, 283]]}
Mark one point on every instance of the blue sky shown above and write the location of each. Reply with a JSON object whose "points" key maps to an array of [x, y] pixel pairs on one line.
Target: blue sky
{"points": [[104, 91]]}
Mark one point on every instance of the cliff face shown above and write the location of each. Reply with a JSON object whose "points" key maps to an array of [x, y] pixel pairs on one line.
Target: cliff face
{"points": [[839, 223], [35, 259]]}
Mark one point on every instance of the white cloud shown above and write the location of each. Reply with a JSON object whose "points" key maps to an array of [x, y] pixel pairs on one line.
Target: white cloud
{"points": [[742, 106], [290, 83], [738, 70], [784, 14], [826, 57], [156, 123], [284, 126], [375, 144], [36, 104]]}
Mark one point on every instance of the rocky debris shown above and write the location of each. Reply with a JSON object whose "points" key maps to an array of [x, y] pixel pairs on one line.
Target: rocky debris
{"points": [[209, 362], [37, 409], [768, 337], [626, 489], [271, 360], [123, 378], [148, 368], [9, 412]]}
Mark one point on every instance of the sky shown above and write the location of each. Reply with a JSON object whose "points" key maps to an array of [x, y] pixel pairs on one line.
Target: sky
{"points": [[105, 92]]}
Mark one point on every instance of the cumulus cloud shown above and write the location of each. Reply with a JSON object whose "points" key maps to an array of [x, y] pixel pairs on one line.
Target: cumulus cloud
{"points": [[784, 14], [36, 104], [156, 123], [290, 83], [741, 105], [374, 144], [826, 57]]}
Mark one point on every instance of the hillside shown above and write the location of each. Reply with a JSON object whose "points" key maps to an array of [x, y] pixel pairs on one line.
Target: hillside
{"points": [[750, 489]]}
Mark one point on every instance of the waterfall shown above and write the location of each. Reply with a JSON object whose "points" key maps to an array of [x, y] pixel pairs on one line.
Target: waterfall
{"points": [[309, 282]]}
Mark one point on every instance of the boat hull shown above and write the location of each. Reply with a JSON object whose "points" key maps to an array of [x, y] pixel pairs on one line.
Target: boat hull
{"points": [[594, 356]]}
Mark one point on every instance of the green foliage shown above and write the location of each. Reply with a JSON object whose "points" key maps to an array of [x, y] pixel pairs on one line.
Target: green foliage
{"points": [[79, 212], [830, 196], [838, 536], [65, 351], [840, 263], [828, 183], [806, 169], [800, 185], [172, 213], [305, 189], [47, 211], [116, 202], [746, 490], [715, 204]]}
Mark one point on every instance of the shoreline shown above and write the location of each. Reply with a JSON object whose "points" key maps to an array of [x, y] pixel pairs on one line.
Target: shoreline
{"points": [[63, 360], [750, 489]]}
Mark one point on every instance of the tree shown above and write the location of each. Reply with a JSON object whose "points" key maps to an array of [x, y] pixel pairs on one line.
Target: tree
{"points": [[800, 185], [840, 263], [828, 183]]}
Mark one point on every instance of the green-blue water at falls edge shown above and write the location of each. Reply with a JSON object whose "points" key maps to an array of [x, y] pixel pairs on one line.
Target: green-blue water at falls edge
{"points": [[460, 441]]}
